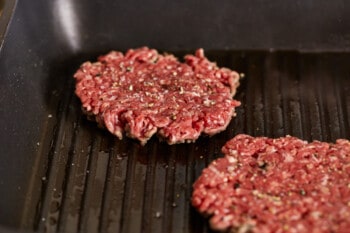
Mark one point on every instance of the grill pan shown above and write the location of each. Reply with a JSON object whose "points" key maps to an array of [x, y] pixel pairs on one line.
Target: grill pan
{"points": [[61, 173]]}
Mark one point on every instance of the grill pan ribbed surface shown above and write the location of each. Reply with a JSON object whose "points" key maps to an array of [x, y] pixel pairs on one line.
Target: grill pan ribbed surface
{"points": [[92, 182]]}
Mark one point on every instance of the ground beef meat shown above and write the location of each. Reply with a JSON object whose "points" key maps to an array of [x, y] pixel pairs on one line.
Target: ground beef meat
{"points": [[277, 185], [143, 93]]}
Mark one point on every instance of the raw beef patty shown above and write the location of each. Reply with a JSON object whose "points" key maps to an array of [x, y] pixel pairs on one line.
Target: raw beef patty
{"points": [[277, 185], [142, 93]]}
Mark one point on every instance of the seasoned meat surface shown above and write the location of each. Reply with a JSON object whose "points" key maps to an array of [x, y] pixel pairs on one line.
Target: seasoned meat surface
{"points": [[142, 93], [277, 185]]}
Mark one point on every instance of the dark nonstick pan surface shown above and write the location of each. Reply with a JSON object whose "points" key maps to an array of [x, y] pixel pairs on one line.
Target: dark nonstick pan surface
{"points": [[61, 173]]}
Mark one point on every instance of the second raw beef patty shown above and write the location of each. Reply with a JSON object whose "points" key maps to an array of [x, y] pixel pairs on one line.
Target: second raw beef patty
{"points": [[277, 185], [143, 93]]}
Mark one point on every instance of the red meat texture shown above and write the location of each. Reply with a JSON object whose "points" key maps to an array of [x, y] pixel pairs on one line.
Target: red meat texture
{"points": [[277, 185], [142, 93]]}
